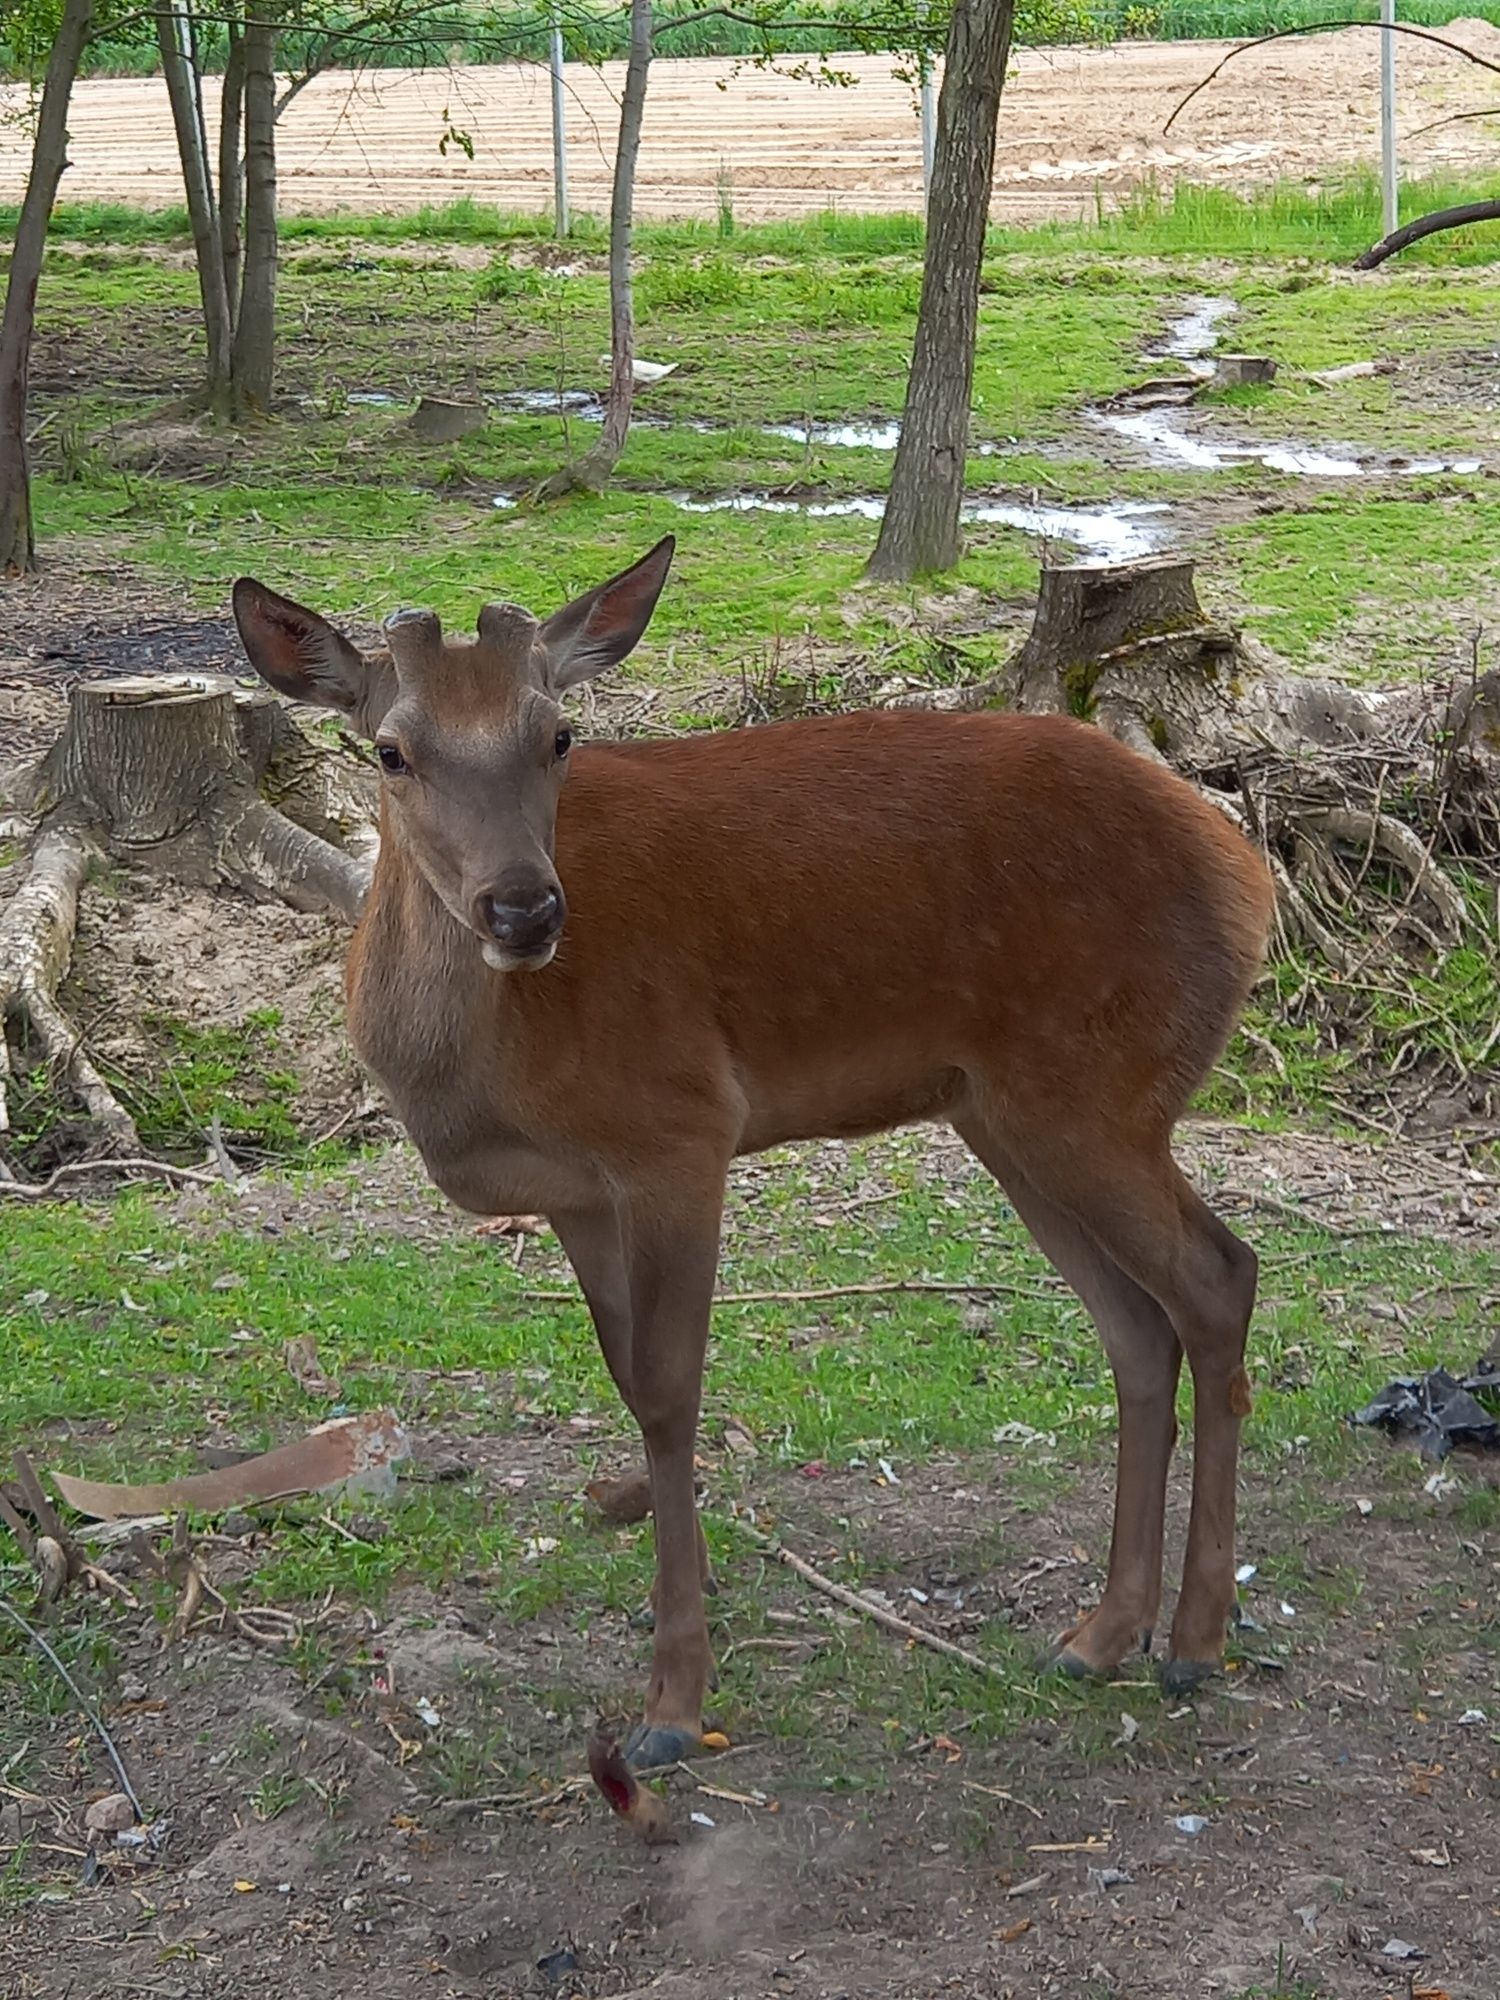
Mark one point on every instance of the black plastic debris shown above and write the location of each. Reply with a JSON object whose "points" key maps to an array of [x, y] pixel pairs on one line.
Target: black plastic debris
{"points": [[1436, 1411]]}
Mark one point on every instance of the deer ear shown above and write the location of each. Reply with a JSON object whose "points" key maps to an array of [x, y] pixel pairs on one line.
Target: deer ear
{"points": [[597, 630], [298, 652]]}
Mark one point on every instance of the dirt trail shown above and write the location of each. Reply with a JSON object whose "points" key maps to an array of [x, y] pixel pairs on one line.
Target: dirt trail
{"points": [[1077, 124]]}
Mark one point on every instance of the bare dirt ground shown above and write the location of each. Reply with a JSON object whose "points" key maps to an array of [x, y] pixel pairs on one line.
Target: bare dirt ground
{"points": [[1347, 1797], [1078, 124]]}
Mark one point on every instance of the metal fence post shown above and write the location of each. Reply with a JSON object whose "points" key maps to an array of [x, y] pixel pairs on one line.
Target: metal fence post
{"points": [[559, 128], [1388, 190]]}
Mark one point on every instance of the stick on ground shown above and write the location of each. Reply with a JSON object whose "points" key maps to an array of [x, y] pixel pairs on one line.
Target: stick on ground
{"points": [[866, 1606]]}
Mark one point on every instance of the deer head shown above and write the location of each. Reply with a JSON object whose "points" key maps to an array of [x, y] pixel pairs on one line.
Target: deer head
{"points": [[470, 733]]}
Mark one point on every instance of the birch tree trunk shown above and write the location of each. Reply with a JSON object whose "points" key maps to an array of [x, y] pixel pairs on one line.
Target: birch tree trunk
{"points": [[591, 472], [203, 212], [254, 352]]}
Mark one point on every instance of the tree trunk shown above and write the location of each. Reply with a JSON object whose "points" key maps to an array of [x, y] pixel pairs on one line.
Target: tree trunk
{"points": [[255, 329], [592, 472], [49, 157], [920, 530], [231, 164], [197, 182]]}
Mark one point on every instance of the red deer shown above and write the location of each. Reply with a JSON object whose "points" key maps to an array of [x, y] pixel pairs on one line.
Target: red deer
{"points": [[589, 977]]}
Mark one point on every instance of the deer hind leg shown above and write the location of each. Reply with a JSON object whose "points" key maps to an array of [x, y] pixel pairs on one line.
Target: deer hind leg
{"points": [[594, 1244], [1145, 1357], [1136, 1207], [1215, 1296]]}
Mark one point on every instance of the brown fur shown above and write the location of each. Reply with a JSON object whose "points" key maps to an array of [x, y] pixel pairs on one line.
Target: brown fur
{"points": [[820, 929]]}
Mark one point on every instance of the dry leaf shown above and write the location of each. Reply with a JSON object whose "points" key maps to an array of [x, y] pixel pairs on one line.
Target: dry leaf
{"points": [[1014, 1931], [301, 1357], [350, 1454]]}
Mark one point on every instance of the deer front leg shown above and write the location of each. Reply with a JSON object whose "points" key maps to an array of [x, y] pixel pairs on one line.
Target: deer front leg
{"points": [[594, 1243], [673, 1260]]}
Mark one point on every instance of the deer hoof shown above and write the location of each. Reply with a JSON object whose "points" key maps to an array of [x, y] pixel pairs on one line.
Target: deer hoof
{"points": [[1063, 1660], [649, 1747], [1180, 1677]]}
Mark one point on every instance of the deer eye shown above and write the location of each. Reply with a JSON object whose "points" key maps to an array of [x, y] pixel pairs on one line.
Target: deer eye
{"points": [[562, 743], [391, 759]]}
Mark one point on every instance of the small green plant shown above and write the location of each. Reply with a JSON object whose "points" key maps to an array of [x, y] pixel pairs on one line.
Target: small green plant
{"points": [[276, 1793], [193, 1077], [501, 280], [724, 185], [682, 285]]}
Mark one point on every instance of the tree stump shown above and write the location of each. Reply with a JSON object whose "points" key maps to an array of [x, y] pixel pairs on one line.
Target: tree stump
{"points": [[436, 420], [162, 771], [1233, 371], [1125, 644]]}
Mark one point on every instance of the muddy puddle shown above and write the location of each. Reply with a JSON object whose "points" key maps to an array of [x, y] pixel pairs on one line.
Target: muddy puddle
{"points": [[1120, 534], [1168, 440]]}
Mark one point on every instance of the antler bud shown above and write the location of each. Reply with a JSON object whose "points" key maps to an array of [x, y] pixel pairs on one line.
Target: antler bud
{"points": [[409, 632]]}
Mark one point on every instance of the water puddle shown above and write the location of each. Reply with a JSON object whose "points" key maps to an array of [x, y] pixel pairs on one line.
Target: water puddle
{"points": [[852, 437], [1166, 441], [1194, 334], [1120, 534]]}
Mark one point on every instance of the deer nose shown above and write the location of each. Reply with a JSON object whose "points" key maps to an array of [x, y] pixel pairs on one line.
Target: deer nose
{"points": [[520, 923]]}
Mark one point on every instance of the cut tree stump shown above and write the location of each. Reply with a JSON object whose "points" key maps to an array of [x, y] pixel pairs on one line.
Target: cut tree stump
{"points": [[166, 772], [167, 764], [436, 420], [1233, 371], [1110, 641]]}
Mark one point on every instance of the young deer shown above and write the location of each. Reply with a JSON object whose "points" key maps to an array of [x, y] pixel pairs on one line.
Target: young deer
{"points": [[589, 1002]]}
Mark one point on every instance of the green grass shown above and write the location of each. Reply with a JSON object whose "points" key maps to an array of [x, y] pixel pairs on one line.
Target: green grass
{"points": [[1334, 222], [123, 1328], [123, 1324]]}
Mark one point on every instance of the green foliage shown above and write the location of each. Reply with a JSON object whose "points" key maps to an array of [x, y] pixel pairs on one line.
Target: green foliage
{"points": [[669, 285], [502, 279]]}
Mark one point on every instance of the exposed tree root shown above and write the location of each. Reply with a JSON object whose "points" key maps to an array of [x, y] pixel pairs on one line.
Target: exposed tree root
{"points": [[36, 943], [1308, 768]]}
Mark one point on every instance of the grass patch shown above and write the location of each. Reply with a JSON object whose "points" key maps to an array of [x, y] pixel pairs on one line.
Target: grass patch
{"points": [[128, 1328]]}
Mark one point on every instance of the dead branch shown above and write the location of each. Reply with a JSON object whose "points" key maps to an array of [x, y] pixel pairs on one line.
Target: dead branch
{"points": [[78, 1169], [977, 1287], [1320, 28], [84, 1706], [866, 1607], [1428, 225]]}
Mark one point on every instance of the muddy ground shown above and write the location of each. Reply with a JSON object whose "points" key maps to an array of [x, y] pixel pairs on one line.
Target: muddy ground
{"points": [[1347, 1789], [1080, 125]]}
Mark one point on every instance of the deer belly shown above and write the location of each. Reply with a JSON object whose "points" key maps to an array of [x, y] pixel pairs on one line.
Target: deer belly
{"points": [[848, 1106]]}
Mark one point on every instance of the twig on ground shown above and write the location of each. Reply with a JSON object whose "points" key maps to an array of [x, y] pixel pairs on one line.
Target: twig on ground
{"points": [[979, 1287], [994, 1792], [78, 1695], [77, 1169], [867, 1608]]}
